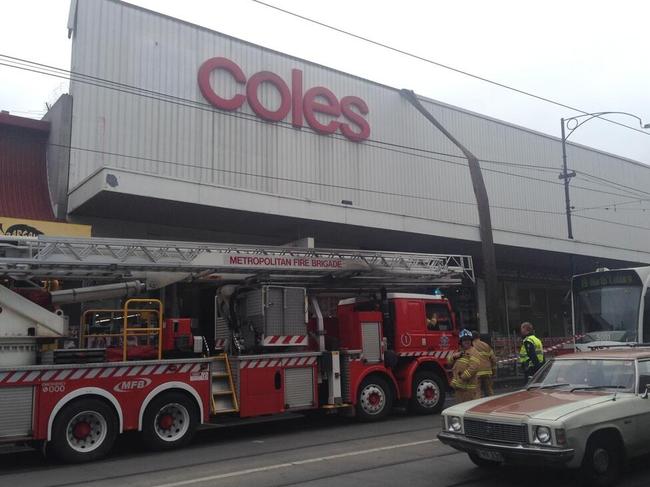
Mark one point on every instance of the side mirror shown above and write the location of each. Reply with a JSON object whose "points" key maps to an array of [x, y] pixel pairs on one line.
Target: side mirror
{"points": [[644, 385], [646, 392]]}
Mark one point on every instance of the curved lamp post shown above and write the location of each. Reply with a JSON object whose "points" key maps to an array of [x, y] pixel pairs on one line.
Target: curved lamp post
{"points": [[569, 125]]}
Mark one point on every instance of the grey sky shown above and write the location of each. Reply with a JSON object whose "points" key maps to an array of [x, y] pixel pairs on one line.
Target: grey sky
{"points": [[588, 54]]}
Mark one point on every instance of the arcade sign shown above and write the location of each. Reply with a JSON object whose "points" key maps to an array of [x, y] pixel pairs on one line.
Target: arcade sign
{"points": [[347, 114]]}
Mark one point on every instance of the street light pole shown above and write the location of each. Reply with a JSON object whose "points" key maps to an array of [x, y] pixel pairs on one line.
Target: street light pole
{"points": [[566, 175]]}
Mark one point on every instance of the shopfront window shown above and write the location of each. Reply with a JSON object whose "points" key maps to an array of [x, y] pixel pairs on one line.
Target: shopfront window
{"points": [[546, 307]]}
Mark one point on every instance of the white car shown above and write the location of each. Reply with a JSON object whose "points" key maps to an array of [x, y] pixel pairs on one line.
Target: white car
{"points": [[588, 411]]}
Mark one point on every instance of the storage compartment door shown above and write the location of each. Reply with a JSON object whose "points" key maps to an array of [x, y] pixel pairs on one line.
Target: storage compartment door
{"points": [[16, 404], [371, 341], [299, 387]]}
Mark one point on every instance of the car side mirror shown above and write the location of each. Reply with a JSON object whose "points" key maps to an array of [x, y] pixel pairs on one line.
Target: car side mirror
{"points": [[644, 385], [646, 392]]}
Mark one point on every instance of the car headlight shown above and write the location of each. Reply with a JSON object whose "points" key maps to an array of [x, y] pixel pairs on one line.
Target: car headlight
{"points": [[543, 434], [455, 424]]}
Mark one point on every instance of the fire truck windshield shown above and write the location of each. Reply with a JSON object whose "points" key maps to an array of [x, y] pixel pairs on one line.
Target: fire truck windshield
{"points": [[607, 313]]}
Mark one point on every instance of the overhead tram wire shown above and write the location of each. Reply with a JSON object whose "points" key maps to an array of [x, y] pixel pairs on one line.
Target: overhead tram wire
{"points": [[441, 65], [138, 91], [427, 198], [611, 183], [290, 180], [184, 102], [132, 90], [48, 70]]}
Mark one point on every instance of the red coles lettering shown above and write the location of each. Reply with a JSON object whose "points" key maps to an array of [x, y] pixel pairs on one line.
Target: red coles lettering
{"points": [[363, 132], [206, 88], [319, 107], [312, 106], [252, 94]]}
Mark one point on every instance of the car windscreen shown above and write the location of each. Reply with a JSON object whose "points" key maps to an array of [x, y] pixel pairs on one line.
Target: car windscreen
{"points": [[587, 374]]}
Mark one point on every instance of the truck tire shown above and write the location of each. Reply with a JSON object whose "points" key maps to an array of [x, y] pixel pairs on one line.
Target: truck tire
{"points": [[169, 421], [428, 396], [83, 431], [601, 465], [374, 399]]}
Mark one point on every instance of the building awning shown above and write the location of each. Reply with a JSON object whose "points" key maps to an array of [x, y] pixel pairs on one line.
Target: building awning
{"points": [[24, 190]]}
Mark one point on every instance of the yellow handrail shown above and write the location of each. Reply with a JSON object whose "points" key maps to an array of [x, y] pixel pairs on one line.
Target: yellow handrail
{"points": [[138, 331]]}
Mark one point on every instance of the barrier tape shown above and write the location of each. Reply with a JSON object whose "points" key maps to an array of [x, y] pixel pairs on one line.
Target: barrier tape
{"points": [[546, 350]]}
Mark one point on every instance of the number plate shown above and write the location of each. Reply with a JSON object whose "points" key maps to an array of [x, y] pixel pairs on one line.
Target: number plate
{"points": [[493, 456]]}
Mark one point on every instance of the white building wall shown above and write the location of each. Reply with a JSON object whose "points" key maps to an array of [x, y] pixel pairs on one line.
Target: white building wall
{"points": [[148, 116]]}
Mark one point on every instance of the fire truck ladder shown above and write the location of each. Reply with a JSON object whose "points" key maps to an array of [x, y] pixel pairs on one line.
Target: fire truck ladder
{"points": [[224, 396], [120, 259]]}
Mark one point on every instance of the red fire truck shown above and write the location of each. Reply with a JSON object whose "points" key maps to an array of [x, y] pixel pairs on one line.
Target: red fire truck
{"points": [[259, 337]]}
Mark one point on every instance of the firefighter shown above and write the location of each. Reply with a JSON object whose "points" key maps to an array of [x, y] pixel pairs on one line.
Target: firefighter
{"points": [[488, 366], [531, 354], [465, 365], [432, 321]]}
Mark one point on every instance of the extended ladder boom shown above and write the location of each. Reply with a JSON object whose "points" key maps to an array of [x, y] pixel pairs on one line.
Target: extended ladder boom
{"points": [[104, 258]]}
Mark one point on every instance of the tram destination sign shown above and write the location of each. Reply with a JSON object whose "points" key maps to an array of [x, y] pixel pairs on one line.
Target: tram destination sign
{"points": [[606, 278]]}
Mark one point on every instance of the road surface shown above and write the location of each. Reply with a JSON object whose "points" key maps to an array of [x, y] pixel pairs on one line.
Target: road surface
{"points": [[402, 451]]}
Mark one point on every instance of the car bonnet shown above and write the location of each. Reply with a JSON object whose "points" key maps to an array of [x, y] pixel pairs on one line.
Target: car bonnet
{"points": [[539, 403]]}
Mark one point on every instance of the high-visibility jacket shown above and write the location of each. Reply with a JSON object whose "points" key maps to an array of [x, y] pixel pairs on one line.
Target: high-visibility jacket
{"points": [[488, 362], [524, 359], [464, 369]]}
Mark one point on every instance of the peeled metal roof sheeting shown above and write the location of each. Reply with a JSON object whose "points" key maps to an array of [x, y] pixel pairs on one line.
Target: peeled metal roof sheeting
{"points": [[24, 190]]}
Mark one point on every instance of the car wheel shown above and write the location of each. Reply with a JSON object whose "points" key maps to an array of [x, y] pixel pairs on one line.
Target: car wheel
{"points": [[84, 430], [428, 396], [601, 465], [374, 399], [482, 463], [169, 421]]}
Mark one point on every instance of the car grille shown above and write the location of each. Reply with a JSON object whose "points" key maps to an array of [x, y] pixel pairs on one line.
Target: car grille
{"points": [[507, 433]]}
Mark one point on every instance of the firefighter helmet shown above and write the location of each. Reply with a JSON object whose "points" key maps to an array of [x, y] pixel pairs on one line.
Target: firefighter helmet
{"points": [[464, 333]]}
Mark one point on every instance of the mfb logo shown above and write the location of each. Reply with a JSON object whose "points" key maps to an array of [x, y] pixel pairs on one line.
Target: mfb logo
{"points": [[345, 115], [131, 385]]}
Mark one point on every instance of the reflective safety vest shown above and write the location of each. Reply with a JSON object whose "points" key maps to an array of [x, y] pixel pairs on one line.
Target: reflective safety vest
{"points": [[464, 370], [539, 350]]}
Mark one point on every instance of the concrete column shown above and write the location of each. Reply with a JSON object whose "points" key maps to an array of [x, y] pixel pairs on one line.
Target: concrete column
{"points": [[482, 305]]}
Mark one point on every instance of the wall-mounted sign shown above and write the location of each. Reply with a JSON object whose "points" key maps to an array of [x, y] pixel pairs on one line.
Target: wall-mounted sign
{"points": [[345, 115], [20, 227]]}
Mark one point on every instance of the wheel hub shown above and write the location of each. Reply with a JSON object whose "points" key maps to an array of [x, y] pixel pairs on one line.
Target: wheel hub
{"points": [[601, 460], [373, 399], [427, 393], [86, 431], [166, 421], [172, 422], [81, 430]]}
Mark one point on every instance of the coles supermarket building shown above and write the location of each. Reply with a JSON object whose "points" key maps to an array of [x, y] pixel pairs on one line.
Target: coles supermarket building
{"points": [[179, 132]]}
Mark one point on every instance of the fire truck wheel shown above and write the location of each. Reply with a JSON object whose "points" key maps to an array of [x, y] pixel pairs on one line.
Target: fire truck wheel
{"points": [[375, 399], [84, 430], [169, 421], [428, 395]]}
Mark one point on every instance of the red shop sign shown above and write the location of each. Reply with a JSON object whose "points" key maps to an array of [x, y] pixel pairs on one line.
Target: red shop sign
{"points": [[347, 113]]}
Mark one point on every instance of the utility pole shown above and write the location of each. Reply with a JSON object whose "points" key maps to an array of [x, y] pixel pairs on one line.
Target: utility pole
{"points": [[566, 175], [572, 124], [483, 205]]}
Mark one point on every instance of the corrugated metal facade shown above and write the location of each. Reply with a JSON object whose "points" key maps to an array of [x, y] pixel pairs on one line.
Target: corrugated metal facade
{"points": [[23, 177], [406, 168]]}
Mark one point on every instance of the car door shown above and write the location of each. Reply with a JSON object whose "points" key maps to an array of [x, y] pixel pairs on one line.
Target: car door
{"points": [[643, 408]]}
